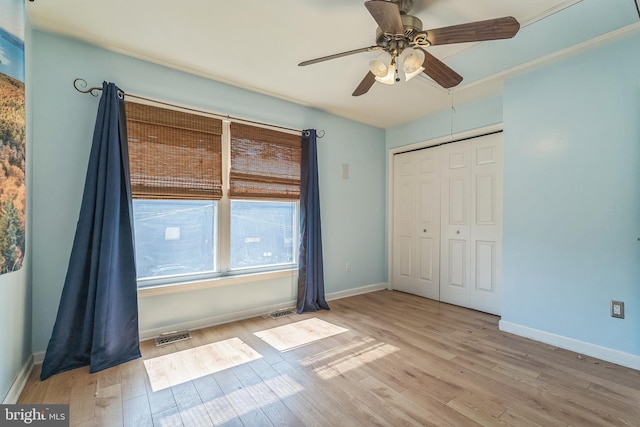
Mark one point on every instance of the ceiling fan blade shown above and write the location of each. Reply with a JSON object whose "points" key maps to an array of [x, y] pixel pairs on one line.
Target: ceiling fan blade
{"points": [[387, 15], [439, 71], [365, 84], [339, 55], [491, 29]]}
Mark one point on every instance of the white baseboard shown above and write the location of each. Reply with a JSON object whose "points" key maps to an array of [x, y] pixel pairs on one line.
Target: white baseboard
{"points": [[18, 385], [38, 358], [246, 314], [610, 355], [356, 291]]}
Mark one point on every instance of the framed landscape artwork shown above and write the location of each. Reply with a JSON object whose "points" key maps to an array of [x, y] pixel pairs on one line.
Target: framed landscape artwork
{"points": [[12, 136]]}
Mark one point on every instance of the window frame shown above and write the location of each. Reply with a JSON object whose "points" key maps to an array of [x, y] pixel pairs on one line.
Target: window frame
{"points": [[224, 275]]}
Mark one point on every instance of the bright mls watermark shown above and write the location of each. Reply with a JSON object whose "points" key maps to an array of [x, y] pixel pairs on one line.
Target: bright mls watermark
{"points": [[34, 415]]}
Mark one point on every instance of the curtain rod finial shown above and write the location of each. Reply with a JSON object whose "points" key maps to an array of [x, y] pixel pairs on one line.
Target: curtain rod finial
{"points": [[80, 84]]}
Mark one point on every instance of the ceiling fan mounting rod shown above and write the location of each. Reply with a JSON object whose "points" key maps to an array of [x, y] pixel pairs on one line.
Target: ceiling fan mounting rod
{"points": [[404, 6], [396, 47]]}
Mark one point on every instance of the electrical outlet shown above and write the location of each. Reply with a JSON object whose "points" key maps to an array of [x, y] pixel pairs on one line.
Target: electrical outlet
{"points": [[347, 267], [617, 309]]}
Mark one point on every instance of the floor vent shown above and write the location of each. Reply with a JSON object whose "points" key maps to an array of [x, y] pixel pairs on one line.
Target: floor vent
{"points": [[171, 337], [281, 313]]}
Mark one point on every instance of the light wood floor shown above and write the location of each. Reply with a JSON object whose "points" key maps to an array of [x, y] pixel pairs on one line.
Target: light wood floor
{"points": [[404, 360]]}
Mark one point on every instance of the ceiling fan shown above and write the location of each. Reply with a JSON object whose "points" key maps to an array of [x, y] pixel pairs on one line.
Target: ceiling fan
{"points": [[401, 40]]}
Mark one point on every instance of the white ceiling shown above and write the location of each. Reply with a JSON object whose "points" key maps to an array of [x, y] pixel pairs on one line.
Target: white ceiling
{"points": [[258, 44]]}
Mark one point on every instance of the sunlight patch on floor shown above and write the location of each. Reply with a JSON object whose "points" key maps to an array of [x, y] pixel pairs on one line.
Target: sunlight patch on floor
{"points": [[255, 396], [186, 365], [331, 363], [223, 409], [294, 335]]}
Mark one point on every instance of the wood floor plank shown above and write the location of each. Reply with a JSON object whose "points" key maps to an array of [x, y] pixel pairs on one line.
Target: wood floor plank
{"points": [[335, 410], [265, 398], [109, 405], [136, 412], [82, 401], [34, 390], [288, 391], [518, 420], [132, 378], [161, 400], [60, 385], [190, 406], [435, 411], [343, 391], [404, 411], [215, 402], [242, 402], [401, 360], [480, 408], [167, 418], [346, 388]]}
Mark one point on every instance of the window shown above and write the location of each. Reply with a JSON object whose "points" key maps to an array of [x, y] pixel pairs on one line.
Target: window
{"points": [[175, 237], [211, 198], [262, 234]]}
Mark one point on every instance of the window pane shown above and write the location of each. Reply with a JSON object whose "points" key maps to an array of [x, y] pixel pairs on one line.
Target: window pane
{"points": [[174, 237], [262, 233]]}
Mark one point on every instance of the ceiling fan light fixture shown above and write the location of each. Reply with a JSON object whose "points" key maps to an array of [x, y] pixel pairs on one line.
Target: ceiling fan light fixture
{"points": [[412, 60], [380, 66], [390, 77]]}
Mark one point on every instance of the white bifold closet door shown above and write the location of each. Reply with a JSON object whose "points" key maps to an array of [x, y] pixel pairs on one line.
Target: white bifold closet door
{"points": [[416, 232], [447, 238]]}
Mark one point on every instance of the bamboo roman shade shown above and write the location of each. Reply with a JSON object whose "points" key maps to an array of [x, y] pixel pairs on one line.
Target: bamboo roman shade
{"points": [[265, 164], [173, 154]]}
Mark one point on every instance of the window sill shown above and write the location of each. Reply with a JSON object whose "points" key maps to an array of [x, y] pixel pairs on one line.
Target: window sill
{"points": [[172, 288]]}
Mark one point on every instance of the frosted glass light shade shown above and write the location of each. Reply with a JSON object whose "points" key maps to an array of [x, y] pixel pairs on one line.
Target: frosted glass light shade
{"points": [[412, 60], [380, 66], [389, 79]]}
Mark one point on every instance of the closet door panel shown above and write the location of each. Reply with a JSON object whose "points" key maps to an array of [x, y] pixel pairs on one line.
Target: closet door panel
{"points": [[425, 263], [428, 224], [455, 199], [485, 272], [486, 231], [416, 248], [404, 222], [405, 255], [457, 263]]}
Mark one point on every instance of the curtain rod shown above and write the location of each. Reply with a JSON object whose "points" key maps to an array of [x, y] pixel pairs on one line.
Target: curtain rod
{"points": [[80, 84]]}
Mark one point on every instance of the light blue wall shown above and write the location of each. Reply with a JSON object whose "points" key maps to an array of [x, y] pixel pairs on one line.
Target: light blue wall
{"points": [[572, 196], [353, 211]]}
